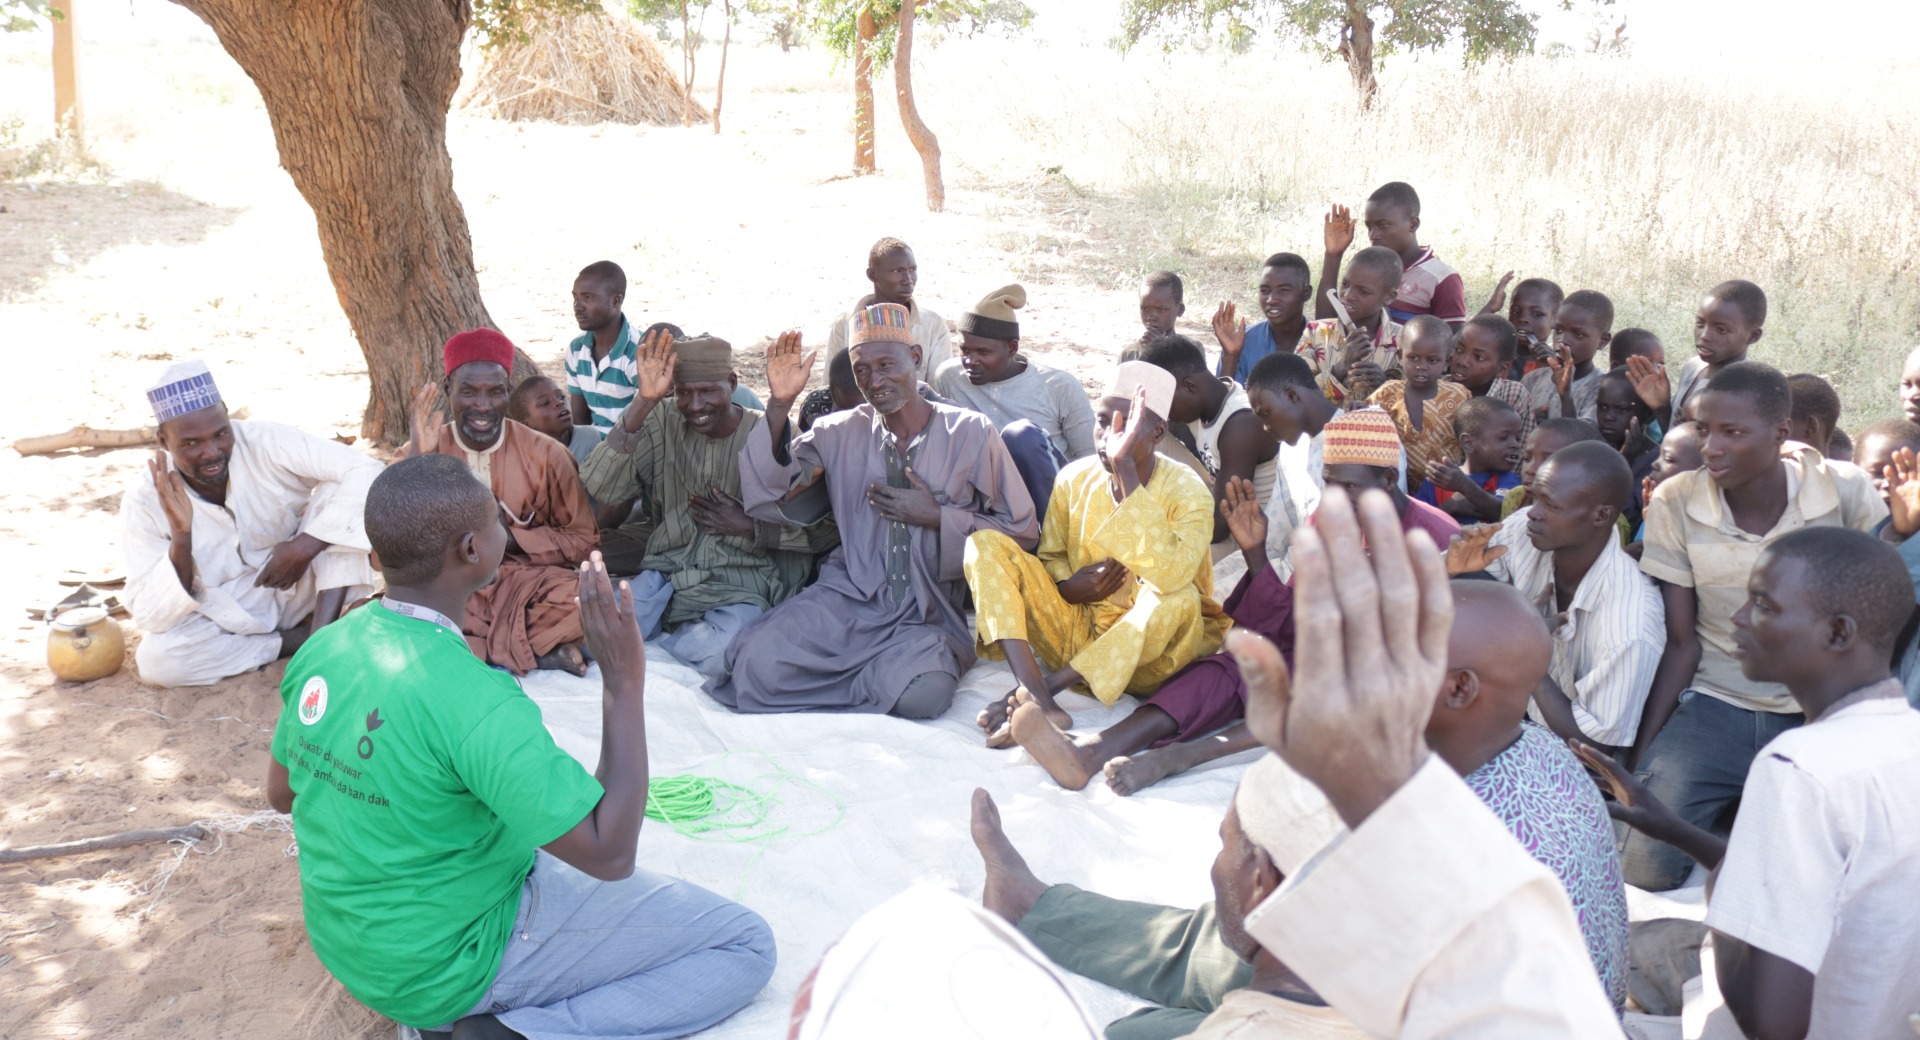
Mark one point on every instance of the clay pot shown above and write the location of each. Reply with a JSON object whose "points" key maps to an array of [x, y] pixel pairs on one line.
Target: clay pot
{"points": [[84, 644]]}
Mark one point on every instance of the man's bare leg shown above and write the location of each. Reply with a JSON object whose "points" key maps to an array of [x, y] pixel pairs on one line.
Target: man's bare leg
{"points": [[1032, 683], [1135, 773], [1011, 889], [1074, 761], [566, 658]]}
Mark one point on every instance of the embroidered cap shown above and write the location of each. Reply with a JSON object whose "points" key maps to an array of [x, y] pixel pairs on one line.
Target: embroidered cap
{"points": [[1365, 437], [882, 323], [186, 386]]}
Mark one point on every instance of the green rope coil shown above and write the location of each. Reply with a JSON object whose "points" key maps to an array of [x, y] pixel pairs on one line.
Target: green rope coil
{"points": [[711, 809]]}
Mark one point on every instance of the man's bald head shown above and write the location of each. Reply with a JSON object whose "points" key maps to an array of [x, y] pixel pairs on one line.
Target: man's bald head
{"points": [[1497, 653]]}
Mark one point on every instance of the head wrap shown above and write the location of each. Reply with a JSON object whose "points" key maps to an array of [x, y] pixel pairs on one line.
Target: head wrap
{"points": [[1365, 438], [478, 345], [186, 386], [1283, 813], [882, 323], [702, 359], [1158, 381], [994, 317]]}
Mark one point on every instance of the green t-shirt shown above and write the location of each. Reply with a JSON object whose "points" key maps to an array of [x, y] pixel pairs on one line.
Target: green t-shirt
{"points": [[423, 782]]}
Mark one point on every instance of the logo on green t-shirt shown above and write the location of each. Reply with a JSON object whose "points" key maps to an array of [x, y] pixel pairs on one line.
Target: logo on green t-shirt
{"points": [[313, 700]]}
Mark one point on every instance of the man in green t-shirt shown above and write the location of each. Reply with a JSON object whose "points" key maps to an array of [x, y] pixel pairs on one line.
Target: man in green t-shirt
{"points": [[422, 784]]}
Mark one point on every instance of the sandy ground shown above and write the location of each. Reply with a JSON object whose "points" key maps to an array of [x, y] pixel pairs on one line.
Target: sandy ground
{"points": [[196, 244]]}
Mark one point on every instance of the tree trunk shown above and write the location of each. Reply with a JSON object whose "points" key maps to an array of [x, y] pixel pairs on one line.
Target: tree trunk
{"points": [[357, 92], [720, 85], [923, 140], [864, 32], [686, 67], [1356, 45]]}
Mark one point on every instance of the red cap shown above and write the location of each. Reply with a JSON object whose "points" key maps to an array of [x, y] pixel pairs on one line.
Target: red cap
{"points": [[478, 345]]}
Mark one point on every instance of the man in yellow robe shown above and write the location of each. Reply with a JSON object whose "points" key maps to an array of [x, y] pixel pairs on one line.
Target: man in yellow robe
{"points": [[1120, 595]]}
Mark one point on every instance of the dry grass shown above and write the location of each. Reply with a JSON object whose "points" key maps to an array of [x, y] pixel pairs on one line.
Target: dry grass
{"points": [[1648, 184], [577, 69]]}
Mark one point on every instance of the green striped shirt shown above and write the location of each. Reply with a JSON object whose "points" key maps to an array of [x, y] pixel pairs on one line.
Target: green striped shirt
{"points": [[608, 383]]}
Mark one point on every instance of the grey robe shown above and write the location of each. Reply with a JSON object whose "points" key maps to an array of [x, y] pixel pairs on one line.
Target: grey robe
{"points": [[849, 641]]}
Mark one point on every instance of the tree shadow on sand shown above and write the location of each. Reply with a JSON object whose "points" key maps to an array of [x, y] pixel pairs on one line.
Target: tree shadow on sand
{"points": [[45, 227]]}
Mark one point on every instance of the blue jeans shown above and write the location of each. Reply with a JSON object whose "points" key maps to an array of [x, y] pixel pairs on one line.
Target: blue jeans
{"points": [[701, 644], [1035, 459], [1696, 766], [647, 957]]}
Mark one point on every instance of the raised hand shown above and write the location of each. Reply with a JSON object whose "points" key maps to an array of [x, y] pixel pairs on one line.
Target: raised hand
{"points": [[720, 513], [1444, 474], [1649, 379], [1094, 582], [1127, 428], [1337, 229], [914, 505], [1647, 486], [172, 489], [606, 616], [1232, 335], [1246, 518], [1371, 646], [653, 366], [1562, 365], [423, 419], [1473, 549], [1903, 491], [787, 370], [1498, 301]]}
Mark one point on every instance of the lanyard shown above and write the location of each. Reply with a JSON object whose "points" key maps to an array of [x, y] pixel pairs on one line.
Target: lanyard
{"points": [[419, 613]]}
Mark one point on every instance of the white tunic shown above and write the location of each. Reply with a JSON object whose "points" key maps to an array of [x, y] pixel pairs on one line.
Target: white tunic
{"points": [[281, 482]]}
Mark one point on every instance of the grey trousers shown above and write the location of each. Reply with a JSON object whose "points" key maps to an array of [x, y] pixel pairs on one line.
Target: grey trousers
{"points": [[1172, 957]]}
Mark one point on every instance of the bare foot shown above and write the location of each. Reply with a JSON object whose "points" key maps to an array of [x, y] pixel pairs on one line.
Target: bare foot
{"points": [[997, 718], [566, 658], [1054, 712], [1050, 747], [1011, 889], [1131, 774]]}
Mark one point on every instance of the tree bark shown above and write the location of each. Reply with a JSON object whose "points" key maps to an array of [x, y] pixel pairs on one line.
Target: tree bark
{"points": [[357, 92], [1356, 45], [720, 85], [923, 140], [865, 30]]}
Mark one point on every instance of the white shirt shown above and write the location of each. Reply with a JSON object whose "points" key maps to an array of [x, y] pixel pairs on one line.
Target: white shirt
{"points": [[280, 482], [1823, 866], [929, 331], [1606, 645], [1430, 920]]}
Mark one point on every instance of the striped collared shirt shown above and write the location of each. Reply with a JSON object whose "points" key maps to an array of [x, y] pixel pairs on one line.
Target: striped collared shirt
{"points": [[608, 383], [1608, 641]]}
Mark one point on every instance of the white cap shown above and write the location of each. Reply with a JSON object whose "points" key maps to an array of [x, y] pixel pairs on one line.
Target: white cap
{"points": [[1283, 813], [1132, 375]]}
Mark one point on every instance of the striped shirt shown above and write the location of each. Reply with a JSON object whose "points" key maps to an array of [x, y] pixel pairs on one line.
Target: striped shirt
{"points": [[608, 383], [1430, 286], [1516, 394], [1692, 541], [1608, 641]]}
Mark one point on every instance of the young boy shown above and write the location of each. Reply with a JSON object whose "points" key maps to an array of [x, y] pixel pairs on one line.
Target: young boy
{"points": [[1730, 321], [1422, 404], [1548, 437], [1163, 299], [1366, 353], [1285, 287], [1621, 417], [539, 404], [1679, 453], [1535, 301], [1705, 531], [1566, 386], [1877, 444], [1427, 285], [1481, 352], [1489, 436], [1816, 411], [1635, 342]]}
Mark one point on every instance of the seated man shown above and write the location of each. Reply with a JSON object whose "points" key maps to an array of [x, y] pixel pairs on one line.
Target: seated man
{"points": [[883, 629], [246, 545], [1210, 416], [1563, 553], [1497, 653], [709, 568], [894, 274], [527, 618], [1181, 724], [459, 872], [1812, 910], [1120, 595], [1042, 412]]}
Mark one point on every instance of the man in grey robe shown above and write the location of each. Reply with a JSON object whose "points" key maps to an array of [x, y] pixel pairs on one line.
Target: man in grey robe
{"points": [[908, 481]]}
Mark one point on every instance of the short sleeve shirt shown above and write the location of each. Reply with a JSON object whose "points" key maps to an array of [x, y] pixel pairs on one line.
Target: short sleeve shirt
{"points": [[1692, 541], [423, 782], [1430, 286], [607, 384]]}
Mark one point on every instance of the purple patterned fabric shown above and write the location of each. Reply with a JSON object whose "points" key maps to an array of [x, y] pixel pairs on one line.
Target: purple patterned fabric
{"points": [[1544, 796]]}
